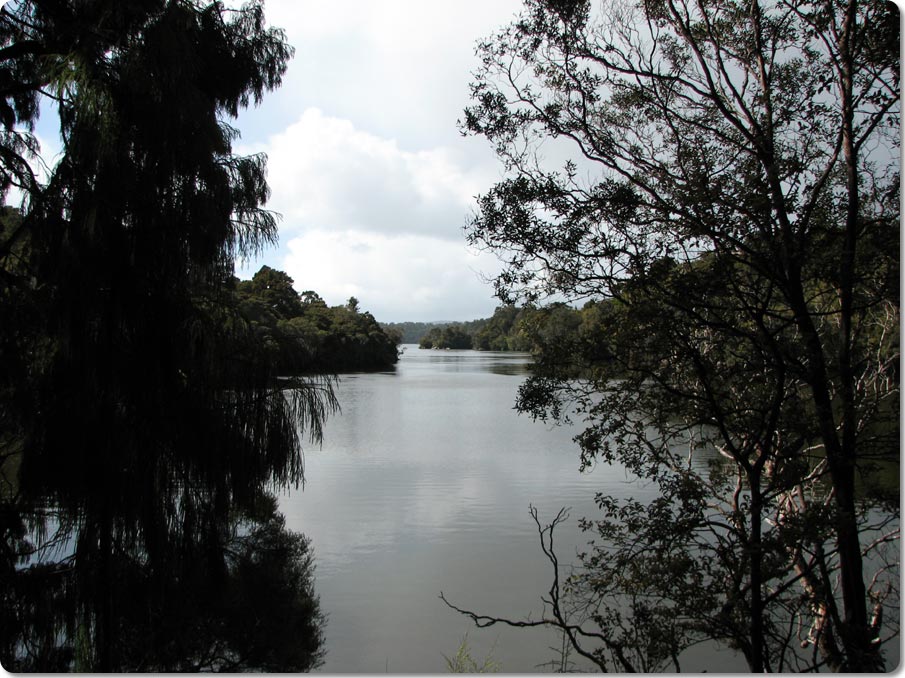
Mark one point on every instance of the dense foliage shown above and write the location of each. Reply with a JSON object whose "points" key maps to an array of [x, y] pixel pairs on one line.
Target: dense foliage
{"points": [[144, 422], [500, 332], [410, 332], [732, 185], [541, 330], [452, 336], [304, 335]]}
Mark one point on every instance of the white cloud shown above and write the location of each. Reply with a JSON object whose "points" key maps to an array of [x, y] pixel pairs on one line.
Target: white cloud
{"points": [[394, 277], [365, 161], [325, 173], [398, 68]]}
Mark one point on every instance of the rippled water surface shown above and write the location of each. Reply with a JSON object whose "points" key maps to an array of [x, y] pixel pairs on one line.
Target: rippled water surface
{"points": [[423, 485]]}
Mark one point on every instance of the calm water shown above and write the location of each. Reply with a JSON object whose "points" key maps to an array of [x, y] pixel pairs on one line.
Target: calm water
{"points": [[423, 485]]}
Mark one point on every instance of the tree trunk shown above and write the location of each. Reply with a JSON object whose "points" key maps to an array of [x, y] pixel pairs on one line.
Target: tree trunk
{"points": [[757, 659]]}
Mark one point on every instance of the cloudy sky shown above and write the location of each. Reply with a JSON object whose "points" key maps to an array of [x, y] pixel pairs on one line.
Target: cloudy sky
{"points": [[366, 163]]}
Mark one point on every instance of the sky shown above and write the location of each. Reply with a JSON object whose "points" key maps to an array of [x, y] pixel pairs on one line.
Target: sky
{"points": [[366, 163]]}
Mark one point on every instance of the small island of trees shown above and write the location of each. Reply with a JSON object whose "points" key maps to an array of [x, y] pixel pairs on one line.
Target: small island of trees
{"points": [[540, 330], [306, 335]]}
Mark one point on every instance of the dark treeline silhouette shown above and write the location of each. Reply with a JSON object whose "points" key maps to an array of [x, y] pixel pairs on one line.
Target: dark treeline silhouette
{"points": [[503, 331], [144, 420], [555, 328], [305, 335], [410, 332]]}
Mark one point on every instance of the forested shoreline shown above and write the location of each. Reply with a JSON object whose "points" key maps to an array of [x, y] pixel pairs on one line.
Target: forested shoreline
{"points": [[556, 332], [306, 335], [705, 270], [510, 328]]}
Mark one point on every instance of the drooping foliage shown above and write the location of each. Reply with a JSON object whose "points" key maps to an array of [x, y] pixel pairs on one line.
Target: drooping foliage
{"points": [[139, 405]]}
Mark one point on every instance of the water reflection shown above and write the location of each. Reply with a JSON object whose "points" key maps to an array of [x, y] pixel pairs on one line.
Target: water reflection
{"points": [[212, 590], [467, 361], [423, 485], [154, 543]]}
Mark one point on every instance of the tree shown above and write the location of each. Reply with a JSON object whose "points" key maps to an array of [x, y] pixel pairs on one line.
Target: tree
{"points": [[311, 298], [734, 188], [453, 336], [502, 332], [139, 402], [276, 290], [134, 236], [304, 336]]}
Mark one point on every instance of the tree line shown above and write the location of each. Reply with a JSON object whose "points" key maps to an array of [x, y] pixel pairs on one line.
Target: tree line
{"points": [[307, 336], [556, 327]]}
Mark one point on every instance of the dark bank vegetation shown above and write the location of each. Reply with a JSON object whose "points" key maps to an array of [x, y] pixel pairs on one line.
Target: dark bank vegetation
{"points": [[146, 416], [562, 338], [733, 192], [410, 332], [500, 332], [510, 328], [305, 335]]}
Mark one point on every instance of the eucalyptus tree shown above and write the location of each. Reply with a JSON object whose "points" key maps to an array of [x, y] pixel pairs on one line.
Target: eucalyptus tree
{"points": [[141, 403], [731, 182]]}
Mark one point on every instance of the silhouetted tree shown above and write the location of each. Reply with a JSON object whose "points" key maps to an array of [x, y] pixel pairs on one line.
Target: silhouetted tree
{"points": [[275, 289], [734, 188], [304, 336], [139, 397]]}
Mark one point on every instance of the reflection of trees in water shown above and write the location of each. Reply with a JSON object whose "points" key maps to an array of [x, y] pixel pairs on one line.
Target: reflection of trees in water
{"points": [[139, 528], [235, 594]]}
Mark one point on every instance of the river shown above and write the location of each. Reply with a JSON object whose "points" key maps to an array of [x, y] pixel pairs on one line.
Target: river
{"points": [[423, 484]]}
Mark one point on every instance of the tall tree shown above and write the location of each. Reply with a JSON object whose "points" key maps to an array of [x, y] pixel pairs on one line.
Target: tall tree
{"points": [[734, 186], [143, 400], [276, 290]]}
